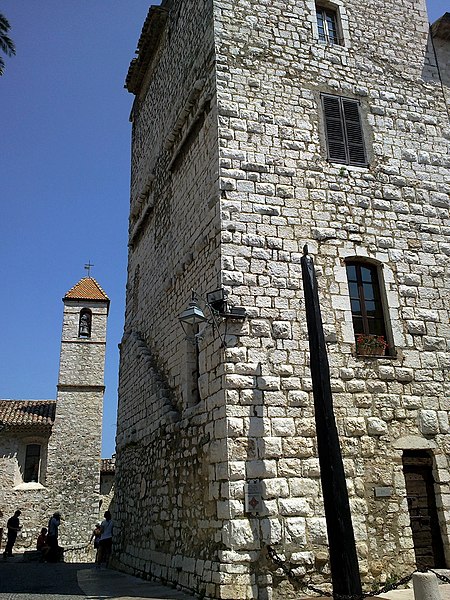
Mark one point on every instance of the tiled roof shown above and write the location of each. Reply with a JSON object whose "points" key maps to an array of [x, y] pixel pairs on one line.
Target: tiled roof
{"points": [[27, 412], [108, 466], [86, 289]]}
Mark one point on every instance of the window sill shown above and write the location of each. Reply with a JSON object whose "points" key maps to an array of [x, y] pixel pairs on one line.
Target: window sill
{"points": [[31, 485], [376, 356]]}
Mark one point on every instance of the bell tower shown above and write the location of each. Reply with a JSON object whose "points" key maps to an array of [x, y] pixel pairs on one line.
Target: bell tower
{"points": [[75, 443]]}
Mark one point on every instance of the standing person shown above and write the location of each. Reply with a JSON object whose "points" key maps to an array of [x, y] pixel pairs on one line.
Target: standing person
{"points": [[14, 527], [52, 538], [105, 546], [96, 534]]}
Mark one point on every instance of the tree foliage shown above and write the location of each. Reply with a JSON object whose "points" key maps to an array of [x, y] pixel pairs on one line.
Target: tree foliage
{"points": [[6, 44]]}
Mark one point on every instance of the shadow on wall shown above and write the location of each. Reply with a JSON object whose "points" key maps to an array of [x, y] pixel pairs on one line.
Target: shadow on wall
{"points": [[437, 57]]}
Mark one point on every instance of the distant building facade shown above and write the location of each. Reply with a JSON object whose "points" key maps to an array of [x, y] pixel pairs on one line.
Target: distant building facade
{"points": [[50, 449], [259, 127]]}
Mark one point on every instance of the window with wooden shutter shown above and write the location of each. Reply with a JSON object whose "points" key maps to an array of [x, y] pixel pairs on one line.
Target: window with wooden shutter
{"points": [[32, 463], [345, 141]]}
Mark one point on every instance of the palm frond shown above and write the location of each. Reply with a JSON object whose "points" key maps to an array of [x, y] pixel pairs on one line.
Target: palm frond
{"points": [[6, 44]]}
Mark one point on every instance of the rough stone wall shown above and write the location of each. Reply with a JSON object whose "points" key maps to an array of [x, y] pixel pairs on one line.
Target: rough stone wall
{"points": [[31, 498], [70, 454], [181, 469], [166, 524], [75, 444], [278, 193]]}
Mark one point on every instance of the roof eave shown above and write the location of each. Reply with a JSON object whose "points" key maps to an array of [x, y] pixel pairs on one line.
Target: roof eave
{"points": [[441, 27], [148, 43]]}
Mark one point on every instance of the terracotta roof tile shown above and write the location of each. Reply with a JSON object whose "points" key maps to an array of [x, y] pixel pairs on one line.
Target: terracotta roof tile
{"points": [[27, 412], [108, 466], [86, 289]]}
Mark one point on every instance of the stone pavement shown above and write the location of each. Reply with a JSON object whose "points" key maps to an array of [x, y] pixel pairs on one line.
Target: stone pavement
{"points": [[75, 581], [21, 580]]}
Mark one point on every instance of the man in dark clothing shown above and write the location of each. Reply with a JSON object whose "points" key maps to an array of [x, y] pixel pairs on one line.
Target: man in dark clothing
{"points": [[52, 538], [14, 527]]}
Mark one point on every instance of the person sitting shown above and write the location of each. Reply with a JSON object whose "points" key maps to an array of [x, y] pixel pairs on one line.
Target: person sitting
{"points": [[41, 543]]}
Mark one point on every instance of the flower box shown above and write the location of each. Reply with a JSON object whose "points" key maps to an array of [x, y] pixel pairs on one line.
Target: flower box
{"points": [[370, 345]]}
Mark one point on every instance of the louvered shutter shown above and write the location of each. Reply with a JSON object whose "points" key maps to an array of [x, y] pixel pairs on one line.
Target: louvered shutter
{"points": [[353, 131], [334, 129], [345, 142]]}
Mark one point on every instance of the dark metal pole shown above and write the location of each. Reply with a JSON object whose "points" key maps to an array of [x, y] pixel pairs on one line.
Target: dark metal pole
{"points": [[343, 559]]}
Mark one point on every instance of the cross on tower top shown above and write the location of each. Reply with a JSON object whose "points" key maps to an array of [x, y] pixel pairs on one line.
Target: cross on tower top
{"points": [[88, 267]]}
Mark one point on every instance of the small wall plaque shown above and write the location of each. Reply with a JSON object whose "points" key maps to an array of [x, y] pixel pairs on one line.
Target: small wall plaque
{"points": [[383, 492], [253, 500]]}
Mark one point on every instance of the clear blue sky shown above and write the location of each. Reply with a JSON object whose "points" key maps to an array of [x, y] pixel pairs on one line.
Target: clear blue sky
{"points": [[64, 169]]}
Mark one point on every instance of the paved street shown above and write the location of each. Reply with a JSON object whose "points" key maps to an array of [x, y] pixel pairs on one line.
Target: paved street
{"points": [[75, 581]]}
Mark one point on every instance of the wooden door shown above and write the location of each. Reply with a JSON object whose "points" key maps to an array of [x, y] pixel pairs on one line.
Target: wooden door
{"points": [[428, 547]]}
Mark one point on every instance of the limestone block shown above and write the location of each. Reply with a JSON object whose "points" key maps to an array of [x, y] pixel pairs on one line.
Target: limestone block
{"points": [[386, 372], [232, 278], [235, 426], [434, 344], [260, 328], [240, 535], [376, 426], [268, 383], [311, 467], [297, 447], [443, 420], [232, 556], [261, 468], [303, 558], [258, 427], [416, 327], [295, 531], [283, 427], [355, 426], [270, 447], [356, 385], [428, 422], [298, 398], [236, 470], [239, 381], [220, 428], [223, 509], [412, 402], [271, 531], [218, 451], [317, 531], [275, 488], [281, 330], [292, 383], [346, 373], [289, 467], [248, 368], [404, 375], [294, 506]]}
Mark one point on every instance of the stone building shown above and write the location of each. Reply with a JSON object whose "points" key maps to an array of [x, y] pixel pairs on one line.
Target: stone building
{"points": [[258, 127], [50, 449], [107, 480]]}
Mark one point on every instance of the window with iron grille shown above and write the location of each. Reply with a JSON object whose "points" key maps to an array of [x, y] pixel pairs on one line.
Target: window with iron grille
{"points": [[343, 128], [327, 25]]}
